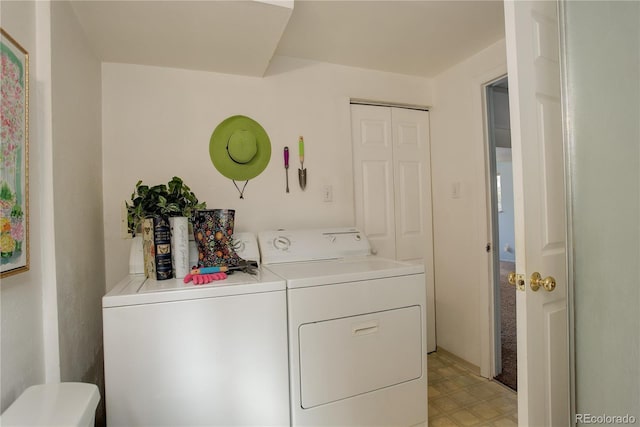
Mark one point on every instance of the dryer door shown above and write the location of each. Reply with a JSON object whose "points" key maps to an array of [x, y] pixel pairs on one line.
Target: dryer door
{"points": [[345, 357]]}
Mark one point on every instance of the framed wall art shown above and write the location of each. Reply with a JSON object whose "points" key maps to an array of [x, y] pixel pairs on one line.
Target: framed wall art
{"points": [[14, 157]]}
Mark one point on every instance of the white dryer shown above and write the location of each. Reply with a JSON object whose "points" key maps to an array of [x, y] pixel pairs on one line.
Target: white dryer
{"points": [[178, 354], [357, 339]]}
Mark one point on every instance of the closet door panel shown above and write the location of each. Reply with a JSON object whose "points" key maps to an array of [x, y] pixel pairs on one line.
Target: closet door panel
{"points": [[374, 177], [377, 198], [409, 226], [411, 159]]}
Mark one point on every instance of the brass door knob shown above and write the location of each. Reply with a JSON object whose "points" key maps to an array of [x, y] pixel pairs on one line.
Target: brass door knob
{"points": [[548, 283], [512, 278]]}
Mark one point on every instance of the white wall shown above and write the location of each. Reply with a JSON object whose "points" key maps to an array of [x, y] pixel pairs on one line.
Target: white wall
{"points": [[461, 224], [157, 123], [21, 295], [77, 183], [66, 252]]}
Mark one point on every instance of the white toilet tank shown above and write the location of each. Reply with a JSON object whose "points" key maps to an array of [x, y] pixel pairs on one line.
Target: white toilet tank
{"points": [[48, 405]]}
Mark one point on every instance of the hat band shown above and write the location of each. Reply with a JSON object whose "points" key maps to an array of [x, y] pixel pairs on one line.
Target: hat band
{"points": [[232, 159]]}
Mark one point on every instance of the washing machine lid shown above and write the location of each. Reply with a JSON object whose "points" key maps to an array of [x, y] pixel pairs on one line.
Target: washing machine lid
{"points": [[50, 405], [316, 273], [136, 289]]}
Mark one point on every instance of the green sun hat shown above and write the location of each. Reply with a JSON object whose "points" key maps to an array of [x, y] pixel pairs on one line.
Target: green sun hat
{"points": [[240, 148]]}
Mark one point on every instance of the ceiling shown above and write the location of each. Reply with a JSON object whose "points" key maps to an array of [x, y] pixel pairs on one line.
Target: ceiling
{"points": [[419, 37]]}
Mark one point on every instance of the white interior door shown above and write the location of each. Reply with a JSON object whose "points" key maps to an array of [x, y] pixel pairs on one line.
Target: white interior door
{"points": [[540, 220], [392, 180]]}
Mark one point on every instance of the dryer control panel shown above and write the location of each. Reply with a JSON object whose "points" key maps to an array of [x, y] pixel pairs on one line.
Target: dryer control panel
{"points": [[279, 246]]}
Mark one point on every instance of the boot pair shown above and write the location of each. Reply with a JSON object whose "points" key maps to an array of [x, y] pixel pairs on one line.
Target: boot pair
{"points": [[213, 233]]}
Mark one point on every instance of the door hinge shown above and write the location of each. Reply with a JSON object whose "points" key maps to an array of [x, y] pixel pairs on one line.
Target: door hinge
{"points": [[488, 247]]}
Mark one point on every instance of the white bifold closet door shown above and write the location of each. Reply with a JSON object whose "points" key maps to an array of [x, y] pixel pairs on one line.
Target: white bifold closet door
{"points": [[392, 178]]}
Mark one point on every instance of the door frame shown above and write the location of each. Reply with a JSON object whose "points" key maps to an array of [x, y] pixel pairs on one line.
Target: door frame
{"points": [[567, 141], [493, 221], [485, 228]]}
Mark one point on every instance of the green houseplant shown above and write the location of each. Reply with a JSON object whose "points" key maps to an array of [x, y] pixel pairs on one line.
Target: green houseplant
{"points": [[164, 200], [176, 204]]}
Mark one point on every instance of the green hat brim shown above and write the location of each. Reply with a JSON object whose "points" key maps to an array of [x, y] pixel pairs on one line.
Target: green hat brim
{"points": [[220, 156]]}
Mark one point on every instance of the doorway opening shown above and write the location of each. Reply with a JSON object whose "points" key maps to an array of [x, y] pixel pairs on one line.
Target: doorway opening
{"points": [[503, 232]]}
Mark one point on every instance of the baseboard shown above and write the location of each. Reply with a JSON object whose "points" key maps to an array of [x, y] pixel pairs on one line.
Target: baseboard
{"points": [[467, 365]]}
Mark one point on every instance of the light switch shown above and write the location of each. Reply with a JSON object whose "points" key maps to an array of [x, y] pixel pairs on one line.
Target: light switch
{"points": [[455, 190], [327, 193]]}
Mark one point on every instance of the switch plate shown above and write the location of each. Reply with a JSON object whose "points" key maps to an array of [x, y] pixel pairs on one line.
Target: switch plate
{"points": [[327, 193], [455, 190]]}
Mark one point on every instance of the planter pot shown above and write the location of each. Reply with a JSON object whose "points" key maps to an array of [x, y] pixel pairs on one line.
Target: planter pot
{"points": [[136, 256]]}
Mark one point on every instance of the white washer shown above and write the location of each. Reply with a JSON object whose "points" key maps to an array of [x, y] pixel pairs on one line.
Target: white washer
{"points": [[357, 338], [184, 355]]}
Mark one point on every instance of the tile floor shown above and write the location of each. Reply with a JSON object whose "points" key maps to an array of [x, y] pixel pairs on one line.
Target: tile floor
{"points": [[458, 397]]}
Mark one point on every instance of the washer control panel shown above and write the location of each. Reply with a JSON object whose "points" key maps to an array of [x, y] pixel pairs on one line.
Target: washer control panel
{"points": [[281, 243], [280, 246]]}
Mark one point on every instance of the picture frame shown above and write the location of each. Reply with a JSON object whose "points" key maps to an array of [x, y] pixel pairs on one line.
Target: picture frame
{"points": [[14, 157]]}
